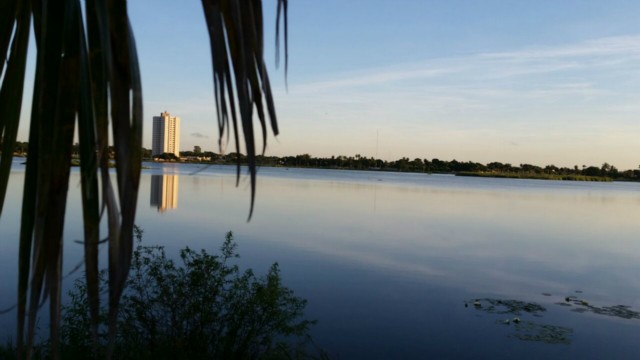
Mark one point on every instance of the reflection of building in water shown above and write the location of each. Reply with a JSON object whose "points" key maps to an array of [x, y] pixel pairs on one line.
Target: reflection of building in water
{"points": [[164, 192]]}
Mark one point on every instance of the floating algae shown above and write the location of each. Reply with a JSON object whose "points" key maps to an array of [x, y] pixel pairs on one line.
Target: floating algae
{"points": [[500, 306], [583, 306], [524, 330], [549, 334], [621, 311]]}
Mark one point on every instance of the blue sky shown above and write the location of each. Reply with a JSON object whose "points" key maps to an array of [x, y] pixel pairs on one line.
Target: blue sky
{"points": [[513, 81]]}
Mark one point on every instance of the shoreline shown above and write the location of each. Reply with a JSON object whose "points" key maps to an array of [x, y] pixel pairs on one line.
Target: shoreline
{"points": [[534, 176]]}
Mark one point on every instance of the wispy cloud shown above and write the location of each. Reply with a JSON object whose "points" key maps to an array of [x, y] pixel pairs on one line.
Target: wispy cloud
{"points": [[484, 102], [585, 89], [199, 135], [377, 76], [609, 46], [592, 58]]}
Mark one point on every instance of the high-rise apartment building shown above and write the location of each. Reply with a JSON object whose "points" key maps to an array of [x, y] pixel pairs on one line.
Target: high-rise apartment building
{"points": [[166, 134]]}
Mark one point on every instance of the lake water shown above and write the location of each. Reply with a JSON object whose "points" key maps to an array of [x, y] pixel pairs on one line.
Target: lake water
{"points": [[392, 264]]}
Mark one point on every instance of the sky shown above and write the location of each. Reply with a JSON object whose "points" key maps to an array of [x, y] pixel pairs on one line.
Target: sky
{"points": [[540, 82]]}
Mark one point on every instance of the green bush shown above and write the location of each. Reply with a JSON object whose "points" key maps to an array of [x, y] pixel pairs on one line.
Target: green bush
{"points": [[203, 308]]}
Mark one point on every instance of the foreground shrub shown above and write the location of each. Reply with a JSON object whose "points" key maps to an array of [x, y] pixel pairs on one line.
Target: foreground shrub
{"points": [[203, 308]]}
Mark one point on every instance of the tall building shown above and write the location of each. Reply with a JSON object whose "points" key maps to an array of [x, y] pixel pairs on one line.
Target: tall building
{"points": [[166, 135]]}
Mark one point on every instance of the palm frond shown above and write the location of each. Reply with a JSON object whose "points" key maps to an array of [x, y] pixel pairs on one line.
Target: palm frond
{"points": [[87, 74], [16, 17], [89, 185], [127, 134], [74, 78], [236, 39], [282, 9], [57, 81]]}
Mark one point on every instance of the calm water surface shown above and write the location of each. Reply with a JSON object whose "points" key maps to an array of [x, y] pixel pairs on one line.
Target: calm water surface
{"points": [[388, 261]]}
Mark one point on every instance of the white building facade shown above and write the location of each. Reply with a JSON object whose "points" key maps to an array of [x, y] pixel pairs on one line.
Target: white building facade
{"points": [[166, 135]]}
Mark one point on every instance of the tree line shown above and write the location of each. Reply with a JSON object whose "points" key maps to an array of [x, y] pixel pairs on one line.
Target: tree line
{"points": [[404, 164], [418, 165]]}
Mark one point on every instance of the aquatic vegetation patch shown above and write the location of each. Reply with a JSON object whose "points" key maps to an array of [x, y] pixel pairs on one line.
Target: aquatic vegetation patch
{"points": [[523, 330], [502, 306], [583, 306], [546, 333]]}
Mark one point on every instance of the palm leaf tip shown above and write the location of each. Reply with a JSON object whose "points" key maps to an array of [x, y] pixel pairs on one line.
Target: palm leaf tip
{"points": [[283, 9]]}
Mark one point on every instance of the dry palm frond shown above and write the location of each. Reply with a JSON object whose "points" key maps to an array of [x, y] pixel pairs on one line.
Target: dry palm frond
{"points": [[87, 74], [65, 88], [237, 50]]}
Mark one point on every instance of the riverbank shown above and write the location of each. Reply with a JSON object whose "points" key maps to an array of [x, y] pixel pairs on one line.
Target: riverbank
{"points": [[536, 176]]}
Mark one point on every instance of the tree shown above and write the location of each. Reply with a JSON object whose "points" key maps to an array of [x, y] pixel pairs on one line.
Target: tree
{"points": [[87, 68], [223, 312], [591, 171], [167, 156]]}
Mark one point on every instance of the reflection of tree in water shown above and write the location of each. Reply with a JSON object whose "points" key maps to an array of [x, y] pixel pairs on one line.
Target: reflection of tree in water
{"points": [[547, 333]]}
